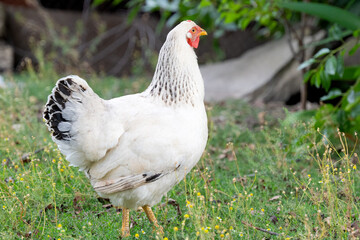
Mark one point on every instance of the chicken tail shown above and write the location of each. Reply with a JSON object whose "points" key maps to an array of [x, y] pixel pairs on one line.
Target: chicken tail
{"points": [[58, 121], [76, 116]]}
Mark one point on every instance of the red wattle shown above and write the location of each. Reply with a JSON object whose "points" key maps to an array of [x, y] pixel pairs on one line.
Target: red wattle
{"points": [[194, 43]]}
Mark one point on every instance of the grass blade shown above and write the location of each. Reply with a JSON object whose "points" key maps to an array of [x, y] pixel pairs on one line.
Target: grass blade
{"points": [[324, 11]]}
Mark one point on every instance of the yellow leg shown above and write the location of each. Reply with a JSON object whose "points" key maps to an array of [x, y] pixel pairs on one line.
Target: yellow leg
{"points": [[150, 215], [125, 229]]}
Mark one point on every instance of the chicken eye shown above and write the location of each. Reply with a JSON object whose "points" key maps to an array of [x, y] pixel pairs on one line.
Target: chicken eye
{"points": [[193, 30]]}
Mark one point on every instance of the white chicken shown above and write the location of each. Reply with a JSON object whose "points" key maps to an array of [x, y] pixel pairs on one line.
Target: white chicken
{"points": [[135, 148]]}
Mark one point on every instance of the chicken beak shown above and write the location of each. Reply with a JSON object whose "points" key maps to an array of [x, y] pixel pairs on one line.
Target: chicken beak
{"points": [[203, 33]]}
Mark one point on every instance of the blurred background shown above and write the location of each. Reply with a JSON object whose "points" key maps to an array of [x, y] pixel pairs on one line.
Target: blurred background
{"points": [[293, 53]]}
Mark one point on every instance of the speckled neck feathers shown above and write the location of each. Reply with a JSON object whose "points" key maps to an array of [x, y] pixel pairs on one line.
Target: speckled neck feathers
{"points": [[177, 78]]}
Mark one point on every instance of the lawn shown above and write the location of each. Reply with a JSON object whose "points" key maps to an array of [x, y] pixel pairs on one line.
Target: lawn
{"points": [[262, 176]]}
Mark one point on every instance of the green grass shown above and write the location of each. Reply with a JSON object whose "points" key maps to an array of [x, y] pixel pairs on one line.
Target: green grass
{"points": [[257, 171]]}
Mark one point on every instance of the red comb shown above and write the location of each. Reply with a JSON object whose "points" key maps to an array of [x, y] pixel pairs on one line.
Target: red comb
{"points": [[188, 20]]}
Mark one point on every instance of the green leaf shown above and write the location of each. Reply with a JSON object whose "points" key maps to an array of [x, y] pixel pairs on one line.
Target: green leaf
{"points": [[328, 39], [204, 3], [322, 52], [340, 66], [306, 63], [354, 49], [335, 32], [133, 13], [334, 93], [325, 11], [325, 80], [165, 15], [96, 3], [341, 118], [313, 79], [308, 75], [355, 113], [352, 105], [356, 33], [318, 79], [173, 19], [350, 74], [331, 65], [116, 2], [351, 97], [264, 20], [244, 23], [230, 17]]}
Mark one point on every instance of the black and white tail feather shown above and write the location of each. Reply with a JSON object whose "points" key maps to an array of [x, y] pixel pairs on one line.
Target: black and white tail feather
{"points": [[77, 118], [65, 91]]}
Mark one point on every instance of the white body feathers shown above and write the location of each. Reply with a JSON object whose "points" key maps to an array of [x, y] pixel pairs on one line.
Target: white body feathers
{"points": [[135, 148]]}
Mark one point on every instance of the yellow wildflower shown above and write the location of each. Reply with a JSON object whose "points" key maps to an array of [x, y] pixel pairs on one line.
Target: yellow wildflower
{"points": [[217, 227], [176, 229], [137, 235]]}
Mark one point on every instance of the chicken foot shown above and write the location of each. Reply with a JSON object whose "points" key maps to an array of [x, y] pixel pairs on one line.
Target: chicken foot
{"points": [[125, 229], [150, 215]]}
